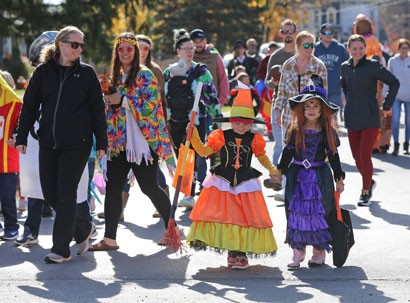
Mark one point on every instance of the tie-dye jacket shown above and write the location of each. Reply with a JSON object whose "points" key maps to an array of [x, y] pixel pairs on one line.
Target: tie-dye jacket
{"points": [[145, 104]]}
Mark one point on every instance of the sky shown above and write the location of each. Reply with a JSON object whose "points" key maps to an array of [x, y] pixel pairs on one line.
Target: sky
{"points": [[52, 1]]}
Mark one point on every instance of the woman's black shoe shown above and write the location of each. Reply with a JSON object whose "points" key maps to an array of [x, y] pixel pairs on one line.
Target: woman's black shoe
{"points": [[364, 200], [406, 148]]}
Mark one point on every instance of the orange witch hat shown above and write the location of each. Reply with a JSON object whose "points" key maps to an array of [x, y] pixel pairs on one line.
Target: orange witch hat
{"points": [[242, 106]]}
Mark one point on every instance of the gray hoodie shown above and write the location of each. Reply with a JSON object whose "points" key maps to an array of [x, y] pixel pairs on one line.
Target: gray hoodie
{"points": [[401, 69]]}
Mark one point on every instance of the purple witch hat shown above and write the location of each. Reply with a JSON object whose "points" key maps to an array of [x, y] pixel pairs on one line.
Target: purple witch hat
{"points": [[313, 90]]}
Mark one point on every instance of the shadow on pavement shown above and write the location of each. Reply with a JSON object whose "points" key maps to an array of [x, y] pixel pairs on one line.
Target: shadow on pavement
{"points": [[357, 221], [389, 217], [400, 160], [144, 270], [351, 277], [353, 169], [257, 284], [67, 282]]}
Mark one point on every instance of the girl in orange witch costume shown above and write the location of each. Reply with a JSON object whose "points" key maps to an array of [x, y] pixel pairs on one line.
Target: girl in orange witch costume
{"points": [[231, 212]]}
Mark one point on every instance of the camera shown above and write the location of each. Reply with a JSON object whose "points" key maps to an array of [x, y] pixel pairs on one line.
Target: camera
{"points": [[111, 89]]}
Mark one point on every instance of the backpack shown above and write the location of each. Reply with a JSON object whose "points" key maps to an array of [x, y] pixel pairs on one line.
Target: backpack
{"points": [[180, 98]]}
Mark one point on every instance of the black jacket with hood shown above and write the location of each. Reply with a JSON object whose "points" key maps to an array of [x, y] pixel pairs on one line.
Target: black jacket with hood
{"points": [[359, 84], [71, 107]]}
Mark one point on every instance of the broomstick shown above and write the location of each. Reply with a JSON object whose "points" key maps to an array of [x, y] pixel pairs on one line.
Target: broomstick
{"points": [[172, 235]]}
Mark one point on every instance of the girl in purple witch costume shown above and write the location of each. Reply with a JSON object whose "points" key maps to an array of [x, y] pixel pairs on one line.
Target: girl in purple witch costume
{"points": [[309, 197]]}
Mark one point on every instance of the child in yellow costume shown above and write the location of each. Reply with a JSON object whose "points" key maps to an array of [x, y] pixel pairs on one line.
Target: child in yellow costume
{"points": [[364, 26], [231, 212]]}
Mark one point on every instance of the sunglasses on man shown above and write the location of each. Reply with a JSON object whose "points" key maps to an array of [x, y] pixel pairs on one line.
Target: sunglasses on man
{"points": [[327, 32], [74, 45], [287, 32], [307, 45]]}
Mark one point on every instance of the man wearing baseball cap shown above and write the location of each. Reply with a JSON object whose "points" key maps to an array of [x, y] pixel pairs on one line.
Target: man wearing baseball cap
{"points": [[213, 60], [205, 54], [333, 54]]}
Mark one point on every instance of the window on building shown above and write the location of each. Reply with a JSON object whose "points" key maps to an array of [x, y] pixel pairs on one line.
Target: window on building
{"points": [[331, 15]]}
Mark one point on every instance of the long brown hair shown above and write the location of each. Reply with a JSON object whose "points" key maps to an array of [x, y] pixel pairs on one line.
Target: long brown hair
{"points": [[326, 121], [116, 64], [147, 40]]}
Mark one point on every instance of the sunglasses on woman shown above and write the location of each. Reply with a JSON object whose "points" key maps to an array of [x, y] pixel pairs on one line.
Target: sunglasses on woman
{"points": [[74, 45], [144, 47], [128, 49], [307, 45]]}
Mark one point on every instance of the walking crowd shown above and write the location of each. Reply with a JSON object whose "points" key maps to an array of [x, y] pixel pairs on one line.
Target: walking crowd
{"points": [[301, 92]]}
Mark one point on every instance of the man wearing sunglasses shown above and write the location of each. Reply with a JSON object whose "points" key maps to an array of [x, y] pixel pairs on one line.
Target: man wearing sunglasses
{"points": [[333, 54], [287, 32]]}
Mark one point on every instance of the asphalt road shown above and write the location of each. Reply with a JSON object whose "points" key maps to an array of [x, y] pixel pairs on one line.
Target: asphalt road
{"points": [[377, 270]]}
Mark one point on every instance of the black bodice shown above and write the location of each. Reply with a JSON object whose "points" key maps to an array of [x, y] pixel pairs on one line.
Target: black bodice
{"points": [[236, 158]]}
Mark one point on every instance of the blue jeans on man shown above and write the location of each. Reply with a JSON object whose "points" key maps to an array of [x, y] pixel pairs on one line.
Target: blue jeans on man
{"points": [[337, 99], [33, 220], [35, 210], [277, 136]]}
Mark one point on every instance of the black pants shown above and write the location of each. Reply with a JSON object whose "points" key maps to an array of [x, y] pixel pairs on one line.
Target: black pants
{"points": [[60, 173], [147, 178], [178, 134]]}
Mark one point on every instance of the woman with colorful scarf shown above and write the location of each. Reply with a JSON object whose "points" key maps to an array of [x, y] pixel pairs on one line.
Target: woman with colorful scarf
{"points": [[136, 136]]}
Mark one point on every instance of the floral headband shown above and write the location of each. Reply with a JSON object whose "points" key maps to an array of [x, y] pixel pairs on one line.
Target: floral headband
{"points": [[125, 39], [142, 42]]}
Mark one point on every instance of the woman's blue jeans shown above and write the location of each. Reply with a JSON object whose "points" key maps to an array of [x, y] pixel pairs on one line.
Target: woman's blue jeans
{"points": [[396, 111]]}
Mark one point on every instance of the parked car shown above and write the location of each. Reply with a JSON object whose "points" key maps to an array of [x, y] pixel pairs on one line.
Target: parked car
{"points": [[263, 49]]}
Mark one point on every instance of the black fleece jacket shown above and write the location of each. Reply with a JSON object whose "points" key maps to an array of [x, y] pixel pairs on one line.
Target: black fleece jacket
{"points": [[359, 84], [71, 106]]}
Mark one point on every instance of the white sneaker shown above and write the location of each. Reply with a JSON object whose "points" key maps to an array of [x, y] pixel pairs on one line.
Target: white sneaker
{"points": [[280, 196], [94, 233], [187, 202], [85, 245], [26, 240], [22, 205], [53, 258]]}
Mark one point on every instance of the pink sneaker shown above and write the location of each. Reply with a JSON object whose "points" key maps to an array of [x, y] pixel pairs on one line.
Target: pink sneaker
{"points": [[241, 263], [231, 260], [318, 258], [298, 256]]}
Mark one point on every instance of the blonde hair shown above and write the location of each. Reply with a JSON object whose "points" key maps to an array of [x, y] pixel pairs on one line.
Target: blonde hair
{"points": [[50, 51], [302, 35], [9, 79], [241, 75]]}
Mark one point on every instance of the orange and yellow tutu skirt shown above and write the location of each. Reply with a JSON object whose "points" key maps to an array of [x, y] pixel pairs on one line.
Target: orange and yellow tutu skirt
{"points": [[233, 219]]}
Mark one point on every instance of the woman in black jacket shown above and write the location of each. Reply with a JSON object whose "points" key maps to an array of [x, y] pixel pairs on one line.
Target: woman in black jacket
{"points": [[68, 95], [359, 78]]}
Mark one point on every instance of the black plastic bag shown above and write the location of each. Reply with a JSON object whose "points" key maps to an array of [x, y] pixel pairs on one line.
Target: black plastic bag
{"points": [[342, 234]]}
